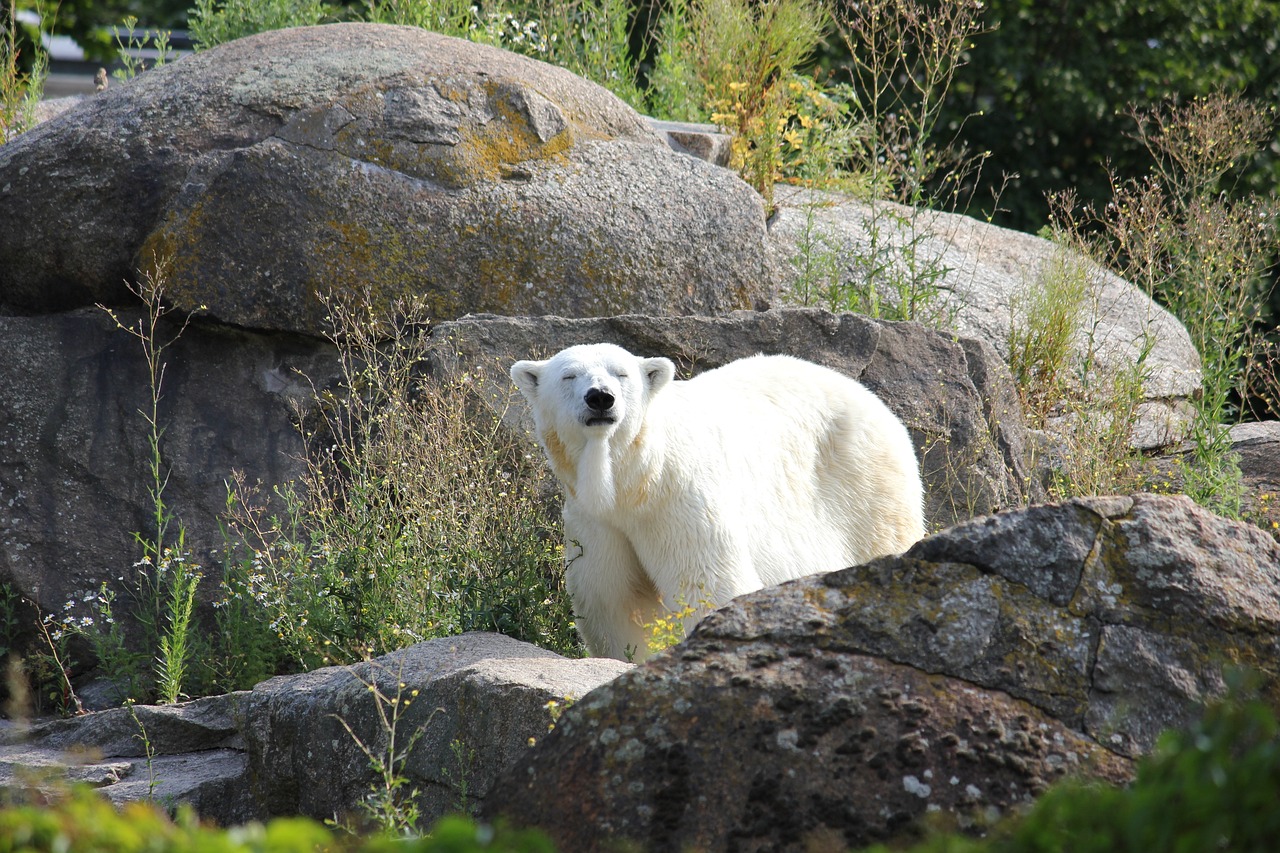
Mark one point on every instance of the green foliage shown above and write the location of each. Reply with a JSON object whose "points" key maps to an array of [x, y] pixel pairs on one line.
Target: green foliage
{"points": [[745, 58], [90, 22], [84, 822], [1053, 83], [213, 22], [1046, 322], [21, 77], [1178, 235], [591, 38], [1064, 382], [1211, 788], [674, 92], [176, 637], [903, 58], [419, 515], [447, 17], [131, 66]]}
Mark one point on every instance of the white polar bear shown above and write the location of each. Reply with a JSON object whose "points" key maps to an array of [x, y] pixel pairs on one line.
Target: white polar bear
{"points": [[691, 493]]}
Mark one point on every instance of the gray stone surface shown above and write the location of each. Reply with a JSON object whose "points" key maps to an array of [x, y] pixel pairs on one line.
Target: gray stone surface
{"points": [[74, 450], [282, 749], [988, 661], [355, 157], [480, 698]]}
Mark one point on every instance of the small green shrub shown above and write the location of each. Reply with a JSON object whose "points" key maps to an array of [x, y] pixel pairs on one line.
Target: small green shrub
{"points": [[128, 43], [419, 514], [1089, 405], [1046, 322], [20, 89], [213, 22], [81, 821]]}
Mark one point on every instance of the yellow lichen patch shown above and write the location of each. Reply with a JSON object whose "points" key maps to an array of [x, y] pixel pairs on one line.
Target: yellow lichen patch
{"points": [[176, 245], [491, 150], [348, 261]]}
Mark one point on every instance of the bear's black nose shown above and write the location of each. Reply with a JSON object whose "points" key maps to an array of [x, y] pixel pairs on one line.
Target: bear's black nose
{"points": [[599, 401]]}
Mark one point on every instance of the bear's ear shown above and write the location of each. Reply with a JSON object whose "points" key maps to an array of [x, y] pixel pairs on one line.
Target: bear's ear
{"points": [[657, 373], [526, 375]]}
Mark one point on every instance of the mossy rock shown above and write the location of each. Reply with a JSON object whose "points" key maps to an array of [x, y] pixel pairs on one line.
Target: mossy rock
{"points": [[272, 170]]}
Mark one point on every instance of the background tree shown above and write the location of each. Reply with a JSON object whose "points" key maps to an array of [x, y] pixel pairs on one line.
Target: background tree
{"points": [[1048, 91], [89, 22]]}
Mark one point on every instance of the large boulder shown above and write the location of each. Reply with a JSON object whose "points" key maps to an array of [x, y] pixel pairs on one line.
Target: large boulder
{"points": [[289, 745], [983, 273], [274, 168], [191, 753], [474, 703], [990, 660]]}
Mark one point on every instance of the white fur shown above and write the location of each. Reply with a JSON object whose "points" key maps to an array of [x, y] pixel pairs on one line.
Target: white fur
{"points": [[766, 469]]}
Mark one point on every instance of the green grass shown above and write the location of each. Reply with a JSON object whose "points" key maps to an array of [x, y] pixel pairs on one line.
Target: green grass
{"points": [[20, 88], [419, 516], [1203, 253]]}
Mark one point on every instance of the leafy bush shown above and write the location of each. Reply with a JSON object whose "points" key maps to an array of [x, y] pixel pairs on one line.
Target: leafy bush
{"points": [[419, 515], [84, 822], [213, 22]]}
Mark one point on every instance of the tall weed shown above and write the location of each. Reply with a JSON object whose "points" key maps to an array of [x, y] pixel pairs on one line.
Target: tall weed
{"points": [[163, 583], [904, 57], [213, 22], [1048, 317], [746, 58], [418, 516], [1179, 234], [674, 92], [20, 90], [904, 54]]}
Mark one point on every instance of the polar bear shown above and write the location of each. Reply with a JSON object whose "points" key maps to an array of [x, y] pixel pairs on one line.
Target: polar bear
{"points": [[687, 493]]}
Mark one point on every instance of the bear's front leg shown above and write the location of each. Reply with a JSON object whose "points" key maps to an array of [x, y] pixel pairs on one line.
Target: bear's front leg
{"points": [[612, 596], [700, 572]]}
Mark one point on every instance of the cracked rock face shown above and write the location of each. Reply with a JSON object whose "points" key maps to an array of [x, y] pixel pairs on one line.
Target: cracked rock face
{"points": [[361, 156], [966, 675]]}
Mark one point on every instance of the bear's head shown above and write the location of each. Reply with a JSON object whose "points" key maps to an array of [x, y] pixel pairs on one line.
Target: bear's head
{"points": [[591, 389]]}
